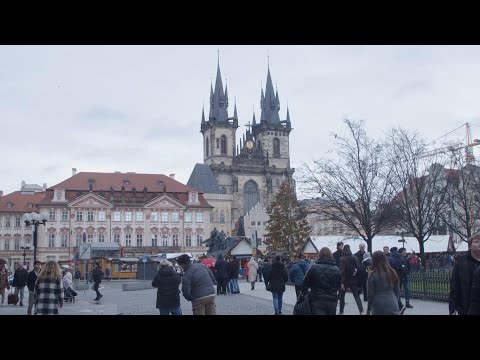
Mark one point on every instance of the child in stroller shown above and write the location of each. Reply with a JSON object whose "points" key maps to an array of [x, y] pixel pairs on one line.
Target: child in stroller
{"points": [[68, 294]]}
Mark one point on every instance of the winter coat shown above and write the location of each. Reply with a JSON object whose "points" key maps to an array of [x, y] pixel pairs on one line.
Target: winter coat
{"points": [[197, 282], [48, 296], [221, 269], [297, 272], [233, 269], [347, 279], [382, 299], [337, 255], [97, 275], [359, 255], [398, 264], [20, 278], [252, 270], [67, 280], [474, 308], [31, 279], [167, 282], [324, 280], [461, 283], [4, 279], [277, 278], [266, 269]]}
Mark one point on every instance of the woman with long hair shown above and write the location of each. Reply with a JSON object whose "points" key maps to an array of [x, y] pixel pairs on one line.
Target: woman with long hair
{"points": [[48, 295], [383, 289], [3, 280]]}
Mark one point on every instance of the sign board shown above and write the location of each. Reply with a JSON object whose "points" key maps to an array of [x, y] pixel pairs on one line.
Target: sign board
{"points": [[145, 258], [85, 251]]}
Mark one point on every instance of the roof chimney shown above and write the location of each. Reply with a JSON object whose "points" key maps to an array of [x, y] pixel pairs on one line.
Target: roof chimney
{"points": [[74, 171], [172, 176]]}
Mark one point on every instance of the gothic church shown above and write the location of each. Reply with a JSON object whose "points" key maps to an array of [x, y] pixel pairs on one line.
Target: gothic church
{"points": [[235, 177]]}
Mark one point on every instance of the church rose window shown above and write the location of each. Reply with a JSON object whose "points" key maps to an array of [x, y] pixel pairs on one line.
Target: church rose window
{"points": [[250, 195]]}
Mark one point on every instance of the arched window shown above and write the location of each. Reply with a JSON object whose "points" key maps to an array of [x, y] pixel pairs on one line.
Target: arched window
{"points": [[277, 182], [250, 195], [207, 147], [223, 146], [224, 190], [276, 148], [215, 219], [222, 217]]}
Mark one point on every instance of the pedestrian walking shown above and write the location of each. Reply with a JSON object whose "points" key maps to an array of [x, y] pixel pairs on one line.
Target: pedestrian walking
{"points": [[167, 282], [277, 278], [48, 293], [20, 281], [31, 280]]}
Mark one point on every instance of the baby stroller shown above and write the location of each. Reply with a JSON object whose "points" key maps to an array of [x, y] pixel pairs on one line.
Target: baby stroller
{"points": [[69, 295]]}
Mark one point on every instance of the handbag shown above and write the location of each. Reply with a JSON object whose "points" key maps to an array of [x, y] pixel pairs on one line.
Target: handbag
{"points": [[302, 306]]}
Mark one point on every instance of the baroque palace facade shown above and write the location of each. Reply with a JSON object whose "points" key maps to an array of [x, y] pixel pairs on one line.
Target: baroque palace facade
{"points": [[143, 213]]}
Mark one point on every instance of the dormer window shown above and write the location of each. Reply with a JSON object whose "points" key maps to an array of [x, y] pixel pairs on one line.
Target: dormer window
{"points": [[192, 197], [9, 205], [29, 205], [126, 182]]}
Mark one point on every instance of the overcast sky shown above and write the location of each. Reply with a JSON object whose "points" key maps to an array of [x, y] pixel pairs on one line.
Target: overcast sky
{"points": [[138, 108]]}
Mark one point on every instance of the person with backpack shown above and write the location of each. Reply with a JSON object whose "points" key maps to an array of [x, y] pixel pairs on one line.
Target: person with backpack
{"points": [[297, 273], [352, 277], [97, 275]]}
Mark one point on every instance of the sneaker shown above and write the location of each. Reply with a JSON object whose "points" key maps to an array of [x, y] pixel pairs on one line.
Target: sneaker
{"points": [[279, 313], [100, 297], [340, 313], [21, 303], [403, 310], [408, 306]]}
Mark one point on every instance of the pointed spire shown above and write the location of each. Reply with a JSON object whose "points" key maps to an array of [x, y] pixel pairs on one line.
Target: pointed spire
{"points": [[235, 116], [288, 114], [270, 104], [254, 121], [203, 114], [277, 99], [226, 93], [219, 102]]}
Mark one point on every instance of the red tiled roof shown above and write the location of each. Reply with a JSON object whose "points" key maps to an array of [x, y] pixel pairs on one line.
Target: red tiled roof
{"points": [[103, 181], [20, 202]]}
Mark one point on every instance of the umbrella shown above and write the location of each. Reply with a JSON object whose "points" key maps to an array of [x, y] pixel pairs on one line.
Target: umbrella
{"points": [[209, 263]]}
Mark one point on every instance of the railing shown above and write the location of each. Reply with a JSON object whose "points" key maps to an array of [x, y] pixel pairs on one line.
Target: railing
{"points": [[432, 284]]}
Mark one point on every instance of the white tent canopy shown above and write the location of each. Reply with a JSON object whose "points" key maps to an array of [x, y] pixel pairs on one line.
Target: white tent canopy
{"points": [[436, 243]]}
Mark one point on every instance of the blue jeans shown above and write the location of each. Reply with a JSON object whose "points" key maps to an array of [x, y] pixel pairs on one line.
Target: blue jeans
{"points": [[277, 301], [172, 311], [406, 286], [234, 288]]}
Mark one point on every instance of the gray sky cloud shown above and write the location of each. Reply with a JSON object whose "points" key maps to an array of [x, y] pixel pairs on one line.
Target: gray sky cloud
{"points": [[138, 108]]}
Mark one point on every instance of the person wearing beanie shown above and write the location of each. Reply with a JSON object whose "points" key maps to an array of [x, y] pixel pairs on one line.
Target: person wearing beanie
{"points": [[167, 282], [198, 286]]}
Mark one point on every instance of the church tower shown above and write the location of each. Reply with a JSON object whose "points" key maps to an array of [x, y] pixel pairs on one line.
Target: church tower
{"points": [[219, 131]]}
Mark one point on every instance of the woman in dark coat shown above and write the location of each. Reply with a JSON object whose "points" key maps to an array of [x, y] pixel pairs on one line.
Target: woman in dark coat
{"points": [[277, 278], [383, 290], [167, 282], [474, 308]]}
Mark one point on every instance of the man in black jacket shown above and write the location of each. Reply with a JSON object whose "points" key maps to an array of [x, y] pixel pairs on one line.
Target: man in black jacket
{"points": [[462, 278], [19, 281], [97, 275], [339, 253], [31, 280]]}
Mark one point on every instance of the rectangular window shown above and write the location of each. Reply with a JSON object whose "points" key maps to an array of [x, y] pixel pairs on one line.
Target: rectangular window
{"points": [[79, 216], [7, 244], [259, 223], [154, 240], [139, 240], [116, 216], [51, 215], [128, 216], [7, 222], [128, 240], [188, 216], [101, 216], [89, 237], [51, 240], [79, 239], [164, 240], [164, 216], [116, 238], [175, 216], [101, 237], [199, 217], [90, 216], [199, 240], [64, 215], [17, 222], [154, 216], [259, 241], [64, 240], [252, 223], [188, 240], [17, 245], [139, 216], [175, 239]]}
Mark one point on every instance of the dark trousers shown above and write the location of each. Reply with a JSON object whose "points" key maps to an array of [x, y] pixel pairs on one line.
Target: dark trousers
{"points": [[322, 307], [356, 294], [95, 287], [297, 289], [222, 286], [365, 295]]}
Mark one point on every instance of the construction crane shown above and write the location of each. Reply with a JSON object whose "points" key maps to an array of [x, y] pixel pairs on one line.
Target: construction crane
{"points": [[468, 146]]}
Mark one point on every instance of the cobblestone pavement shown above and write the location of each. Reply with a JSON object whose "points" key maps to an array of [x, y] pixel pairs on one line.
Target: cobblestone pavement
{"points": [[248, 302]]}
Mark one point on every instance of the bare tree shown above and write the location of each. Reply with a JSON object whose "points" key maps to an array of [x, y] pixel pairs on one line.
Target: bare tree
{"points": [[421, 183], [355, 183], [463, 203]]}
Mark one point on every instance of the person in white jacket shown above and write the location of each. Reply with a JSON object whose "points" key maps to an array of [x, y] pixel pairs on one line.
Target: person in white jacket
{"points": [[252, 272]]}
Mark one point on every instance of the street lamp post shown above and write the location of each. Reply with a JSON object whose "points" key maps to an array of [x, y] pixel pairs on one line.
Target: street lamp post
{"points": [[24, 248], [34, 219]]}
